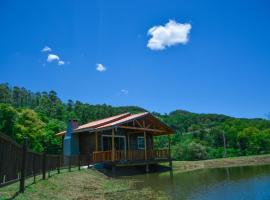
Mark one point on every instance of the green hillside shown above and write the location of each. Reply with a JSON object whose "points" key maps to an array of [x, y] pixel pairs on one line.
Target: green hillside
{"points": [[39, 115]]}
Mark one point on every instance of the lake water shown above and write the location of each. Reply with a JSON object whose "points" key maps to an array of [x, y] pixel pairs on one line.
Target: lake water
{"points": [[251, 182]]}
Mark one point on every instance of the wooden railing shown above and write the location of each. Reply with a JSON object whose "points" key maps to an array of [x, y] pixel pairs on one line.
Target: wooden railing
{"points": [[100, 156], [130, 155]]}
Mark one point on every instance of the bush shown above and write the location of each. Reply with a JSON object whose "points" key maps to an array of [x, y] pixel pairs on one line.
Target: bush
{"points": [[196, 151], [178, 152]]}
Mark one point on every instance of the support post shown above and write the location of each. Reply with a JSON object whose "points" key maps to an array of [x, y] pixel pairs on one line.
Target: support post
{"points": [[44, 165], [24, 152], [113, 146], [145, 143], [128, 157], [113, 170], [170, 160], [147, 168], [88, 161], [96, 141]]}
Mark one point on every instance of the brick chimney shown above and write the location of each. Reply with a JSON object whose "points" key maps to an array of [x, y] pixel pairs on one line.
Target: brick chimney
{"points": [[73, 123]]}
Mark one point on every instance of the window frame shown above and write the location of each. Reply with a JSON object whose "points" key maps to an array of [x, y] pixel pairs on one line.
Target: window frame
{"points": [[139, 142]]}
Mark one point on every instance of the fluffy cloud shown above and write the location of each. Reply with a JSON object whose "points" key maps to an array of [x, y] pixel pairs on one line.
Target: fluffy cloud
{"points": [[100, 68], [52, 57], [46, 49], [172, 33], [61, 62], [124, 91]]}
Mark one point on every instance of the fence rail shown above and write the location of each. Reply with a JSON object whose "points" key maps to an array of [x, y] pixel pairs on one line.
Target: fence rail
{"points": [[17, 162]]}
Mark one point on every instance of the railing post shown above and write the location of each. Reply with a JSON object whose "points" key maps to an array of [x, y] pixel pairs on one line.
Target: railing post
{"points": [[34, 167], [44, 165], [113, 147], [24, 151]]}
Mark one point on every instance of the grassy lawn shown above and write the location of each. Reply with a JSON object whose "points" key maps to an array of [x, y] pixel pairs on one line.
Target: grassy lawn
{"points": [[84, 184]]}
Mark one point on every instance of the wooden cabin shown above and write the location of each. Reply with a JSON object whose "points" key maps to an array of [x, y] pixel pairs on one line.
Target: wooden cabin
{"points": [[122, 140]]}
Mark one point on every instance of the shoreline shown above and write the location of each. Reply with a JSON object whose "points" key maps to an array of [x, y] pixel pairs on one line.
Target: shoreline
{"points": [[184, 166]]}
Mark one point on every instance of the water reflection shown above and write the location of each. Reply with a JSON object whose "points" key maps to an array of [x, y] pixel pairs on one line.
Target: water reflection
{"points": [[252, 182]]}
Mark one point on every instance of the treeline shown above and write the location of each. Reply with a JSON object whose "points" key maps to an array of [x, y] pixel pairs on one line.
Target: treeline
{"points": [[206, 136], [39, 115], [42, 114]]}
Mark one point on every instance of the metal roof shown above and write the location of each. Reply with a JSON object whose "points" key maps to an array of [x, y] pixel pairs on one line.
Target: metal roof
{"points": [[114, 121]]}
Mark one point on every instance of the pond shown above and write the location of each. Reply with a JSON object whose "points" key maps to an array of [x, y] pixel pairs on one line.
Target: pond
{"points": [[250, 182]]}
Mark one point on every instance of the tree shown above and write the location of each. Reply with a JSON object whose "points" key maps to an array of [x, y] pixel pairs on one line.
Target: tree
{"points": [[29, 125], [248, 140], [8, 117]]}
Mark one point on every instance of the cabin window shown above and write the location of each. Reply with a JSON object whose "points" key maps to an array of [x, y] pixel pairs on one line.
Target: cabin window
{"points": [[140, 142]]}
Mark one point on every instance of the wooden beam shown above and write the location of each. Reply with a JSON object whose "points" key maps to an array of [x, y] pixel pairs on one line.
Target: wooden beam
{"points": [[148, 126], [138, 123], [143, 129], [96, 141], [113, 147], [128, 147]]}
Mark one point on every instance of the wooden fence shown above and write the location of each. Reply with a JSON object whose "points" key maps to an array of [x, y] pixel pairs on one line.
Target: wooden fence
{"points": [[18, 163]]}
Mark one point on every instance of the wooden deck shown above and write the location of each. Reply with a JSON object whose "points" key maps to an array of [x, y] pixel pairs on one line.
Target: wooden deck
{"points": [[131, 157]]}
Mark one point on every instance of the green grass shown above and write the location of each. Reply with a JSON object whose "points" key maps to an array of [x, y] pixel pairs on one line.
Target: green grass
{"points": [[84, 184]]}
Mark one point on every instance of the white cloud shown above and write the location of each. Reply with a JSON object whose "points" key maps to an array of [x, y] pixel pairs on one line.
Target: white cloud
{"points": [[172, 33], [52, 57], [46, 49], [61, 62], [100, 68], [124, 91]]}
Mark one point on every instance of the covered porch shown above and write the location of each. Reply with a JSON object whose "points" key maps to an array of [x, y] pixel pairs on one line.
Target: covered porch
{"points": [[122, 140], [132, 143]]}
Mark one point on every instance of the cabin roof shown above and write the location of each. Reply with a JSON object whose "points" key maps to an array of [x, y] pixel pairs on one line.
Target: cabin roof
{"points": [[117, 120]]}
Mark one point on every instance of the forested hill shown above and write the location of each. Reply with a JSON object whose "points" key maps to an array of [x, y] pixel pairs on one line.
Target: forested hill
{"points": [[39, 115]]}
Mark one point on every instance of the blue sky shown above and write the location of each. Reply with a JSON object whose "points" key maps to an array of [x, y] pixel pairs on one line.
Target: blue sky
{"points": [[215, 58]]}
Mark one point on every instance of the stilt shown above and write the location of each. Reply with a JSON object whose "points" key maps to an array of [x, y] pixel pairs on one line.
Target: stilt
{"points": [[113, 170], [147, 168], [170, 164]]}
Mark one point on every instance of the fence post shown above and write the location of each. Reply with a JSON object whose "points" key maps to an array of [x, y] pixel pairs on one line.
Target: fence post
{"points": [[69, 163], [44, 165], [79, 162], [58, 167], [24, 151], [34, 167]]}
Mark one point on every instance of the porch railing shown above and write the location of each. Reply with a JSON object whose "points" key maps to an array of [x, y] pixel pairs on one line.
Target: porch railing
{"points": [[130, 155]]}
